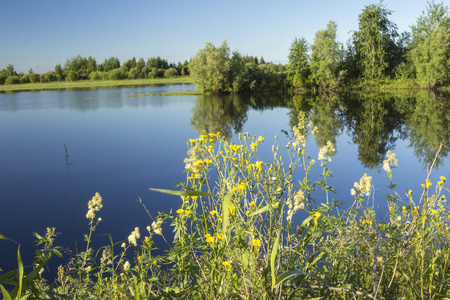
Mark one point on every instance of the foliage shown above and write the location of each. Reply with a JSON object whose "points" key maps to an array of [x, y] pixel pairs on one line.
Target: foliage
{"points": [[430, 52], [374, 41], [326, 58], [171, 72], [208, 68], [298, 68]]}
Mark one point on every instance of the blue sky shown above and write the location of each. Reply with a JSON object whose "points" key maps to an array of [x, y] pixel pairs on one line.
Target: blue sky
{"points": [[39, 34]]}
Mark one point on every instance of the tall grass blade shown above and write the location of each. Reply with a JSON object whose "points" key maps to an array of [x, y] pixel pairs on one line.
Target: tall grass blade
{"points": [[70, 197], [273, 257]]}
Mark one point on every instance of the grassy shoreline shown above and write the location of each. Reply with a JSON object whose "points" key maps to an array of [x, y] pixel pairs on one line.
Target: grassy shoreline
{"points": [[93, 84]]}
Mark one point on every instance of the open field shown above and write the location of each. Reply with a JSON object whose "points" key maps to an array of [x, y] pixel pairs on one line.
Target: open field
{"points": [[92, 84]]}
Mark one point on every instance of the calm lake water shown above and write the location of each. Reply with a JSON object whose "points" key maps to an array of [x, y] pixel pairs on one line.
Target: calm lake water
{"points": [[121, 146]]}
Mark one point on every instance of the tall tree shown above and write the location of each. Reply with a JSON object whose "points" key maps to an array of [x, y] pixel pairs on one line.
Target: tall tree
{"points": [[326, 58], [430, 52], [374, 42], [298, 68], [209, 67]]}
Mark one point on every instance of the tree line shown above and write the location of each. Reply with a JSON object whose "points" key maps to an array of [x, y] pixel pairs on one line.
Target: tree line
{"points": [[376, 52], [82, 68]]}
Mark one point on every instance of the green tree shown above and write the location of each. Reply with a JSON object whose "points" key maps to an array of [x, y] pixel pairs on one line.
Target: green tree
{"points": [[9, 70], [298, 68], [326, 58], [171, 72], [430, 52], [374, 42], [209, 67]]}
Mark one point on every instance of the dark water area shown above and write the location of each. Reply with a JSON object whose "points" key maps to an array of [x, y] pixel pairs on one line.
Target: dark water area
{"points": [[121, 146]]}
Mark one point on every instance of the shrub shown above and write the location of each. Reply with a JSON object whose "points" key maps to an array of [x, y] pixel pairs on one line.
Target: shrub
{"points": [[171, 72], [12, 80]]}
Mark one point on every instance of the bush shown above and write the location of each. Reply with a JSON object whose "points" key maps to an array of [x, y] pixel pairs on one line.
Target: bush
{"points": [[34, 77], [12, 80], [25, 79], [171, 72], [96, 75], [72, 76], [3, 79]]}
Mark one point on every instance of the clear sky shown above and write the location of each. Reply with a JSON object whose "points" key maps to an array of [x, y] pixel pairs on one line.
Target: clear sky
{"points": [[39, 34]]}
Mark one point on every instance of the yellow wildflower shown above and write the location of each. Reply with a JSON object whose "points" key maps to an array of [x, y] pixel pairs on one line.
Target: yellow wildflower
{"points": [[317, 216], [434, 211], [256, 243], [220, 236], [188, 211], [225, 263], [180, 211], [381, 226], [213, 212], [252, 204], [139, 258], [231, 209], [209, 238], [442, 178]]}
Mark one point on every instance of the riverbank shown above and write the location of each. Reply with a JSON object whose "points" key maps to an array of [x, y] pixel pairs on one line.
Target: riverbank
{"points": [[93, 84]]}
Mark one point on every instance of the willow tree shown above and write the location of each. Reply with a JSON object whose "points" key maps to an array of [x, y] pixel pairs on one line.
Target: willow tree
{"points": [[298, 68], [209, 68], [326, 58], [374, 42], [430, 52]]}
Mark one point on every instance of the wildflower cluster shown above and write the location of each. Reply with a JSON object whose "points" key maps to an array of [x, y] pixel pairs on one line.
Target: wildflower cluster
{"points": [[363, 187], [156, 226], [134, 236], [390, 162], [296, 204], [95, 204], [326, 152]]}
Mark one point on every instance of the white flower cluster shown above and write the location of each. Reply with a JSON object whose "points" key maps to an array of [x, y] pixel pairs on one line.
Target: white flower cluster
{"points": [[126, 266], [391, 161], [134, 236], [190, 162], [156, 226], [295, 205], [95, 204], [327, 151], [107, 255], [363, 187]]}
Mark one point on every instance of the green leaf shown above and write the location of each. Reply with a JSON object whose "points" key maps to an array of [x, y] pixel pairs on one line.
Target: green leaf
{"points": [[286, 276], [273, 256], [6, 296], [183, 193], [2, 237], [265, 208], [225, 207]]}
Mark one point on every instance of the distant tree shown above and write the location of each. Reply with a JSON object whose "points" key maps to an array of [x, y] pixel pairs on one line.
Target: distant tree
{"points": [[9, 70], [97, 75], [326, 58], [129, 64], [72, 76], [25, 78], [171, 72], [14, 79], [110, 64], [238, 74], [2, 78], [430, 52], [374, 41], [208, 68], [298, 68], [140, 65], [133, 73], [262, 61], [157, 62], [91, 65]]}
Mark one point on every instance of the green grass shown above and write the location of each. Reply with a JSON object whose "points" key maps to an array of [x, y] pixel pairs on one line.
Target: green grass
{"points": [[93, 84]]}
